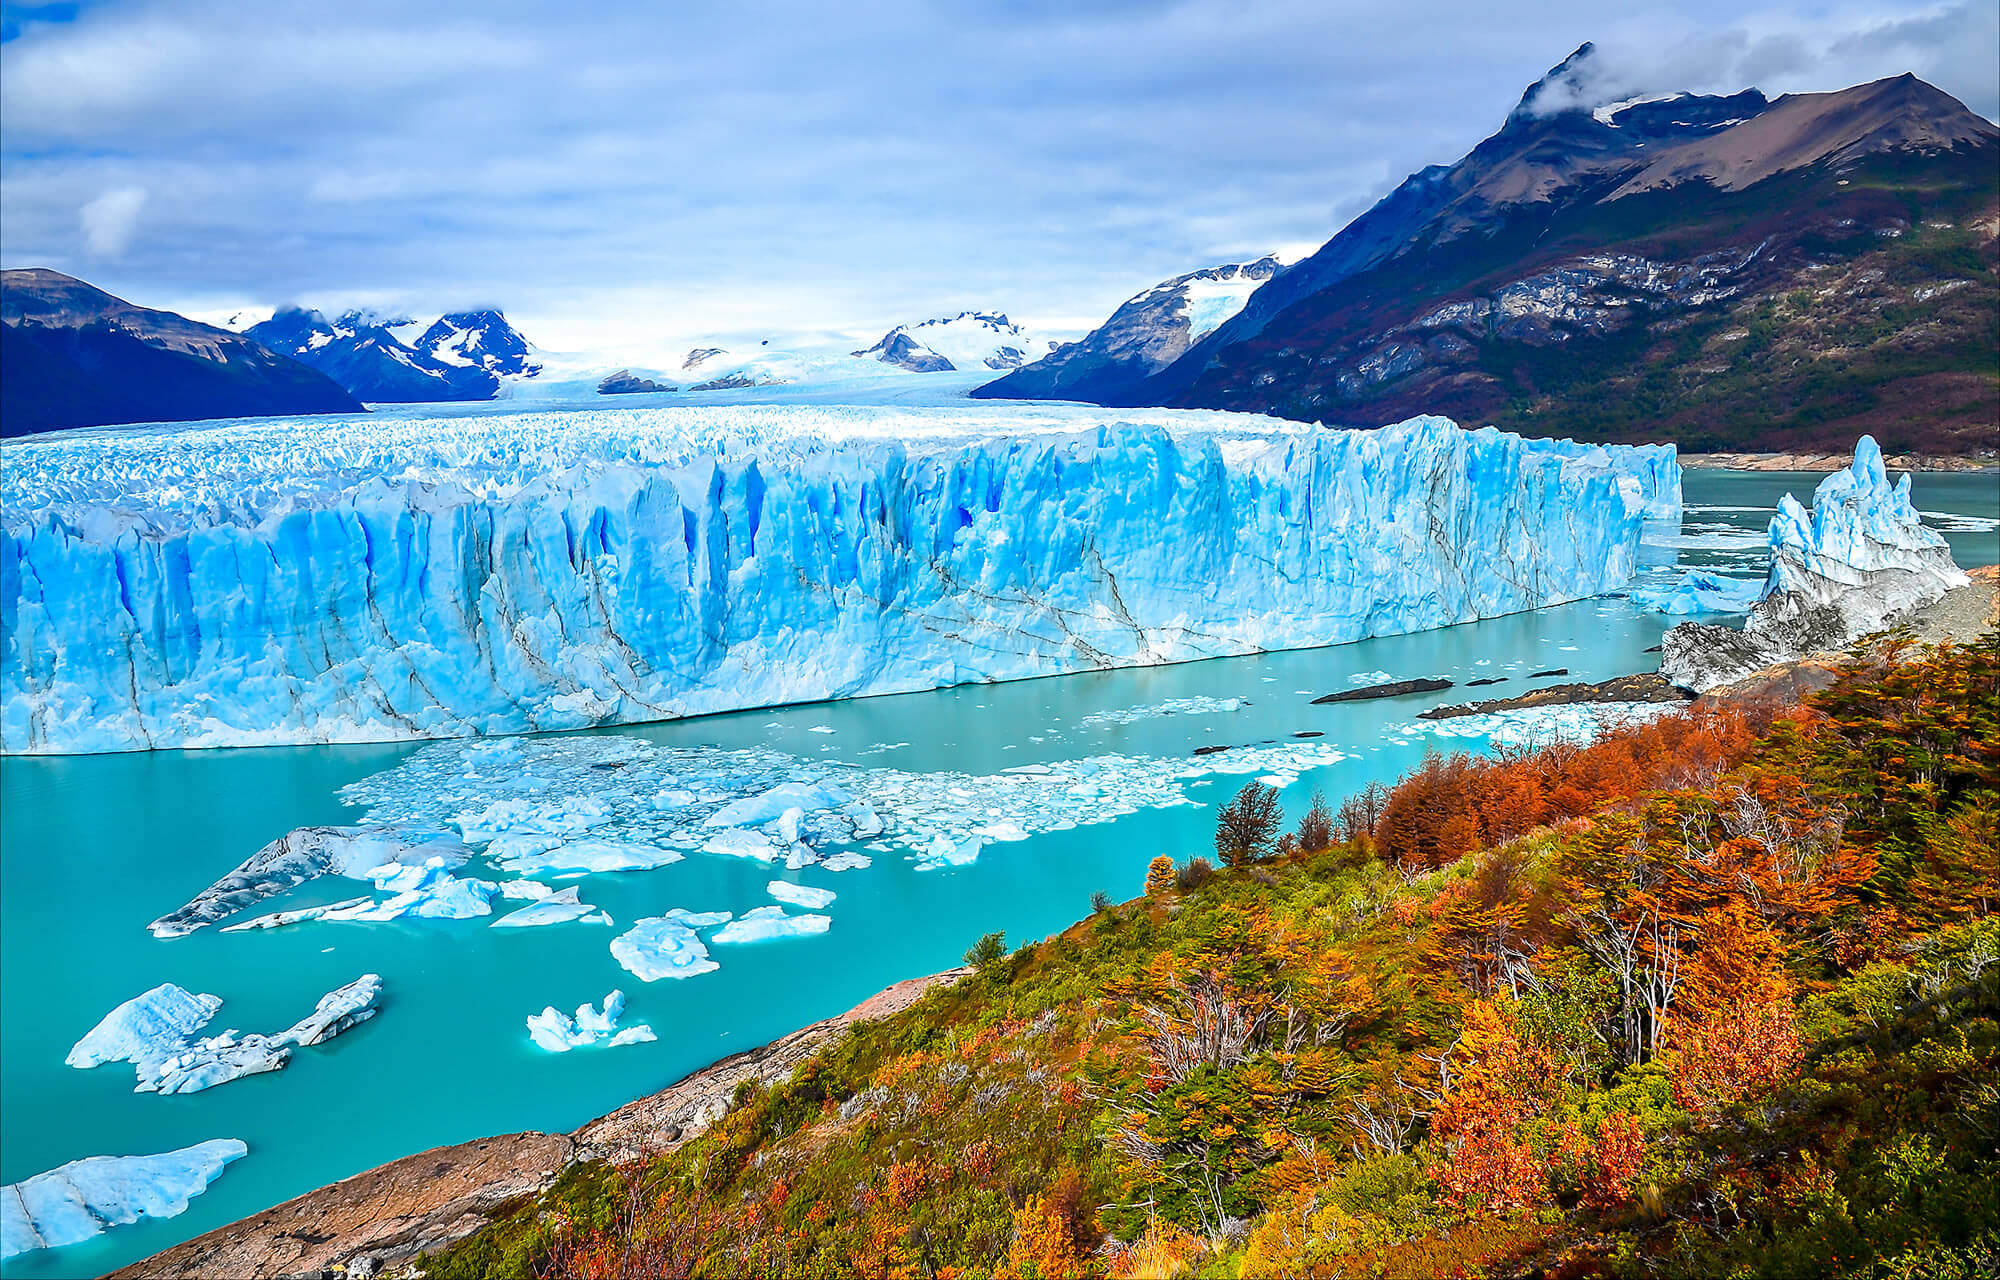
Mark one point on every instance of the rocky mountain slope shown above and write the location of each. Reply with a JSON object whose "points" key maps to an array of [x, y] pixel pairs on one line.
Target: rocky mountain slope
{"points": [[1726, 272], [968, 340], [72, 355], [1146, 334], [459, 357]]}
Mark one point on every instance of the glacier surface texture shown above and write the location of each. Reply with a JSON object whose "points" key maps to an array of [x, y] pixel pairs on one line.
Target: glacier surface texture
{"points": [[332, 581]]}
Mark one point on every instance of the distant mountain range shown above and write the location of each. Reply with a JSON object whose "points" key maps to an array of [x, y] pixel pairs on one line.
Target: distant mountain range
{"points": [[1727, 272], [967, 341], [1144, 336], [461, 356], [75, 356]]}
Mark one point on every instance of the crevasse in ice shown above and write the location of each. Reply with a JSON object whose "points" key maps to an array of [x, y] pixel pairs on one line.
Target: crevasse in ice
{"points": [[321, 581]]}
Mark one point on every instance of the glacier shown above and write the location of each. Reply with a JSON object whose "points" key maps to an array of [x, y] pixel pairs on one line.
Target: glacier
{"points": [[1860, 561], [70, 1204], [322, 580]]}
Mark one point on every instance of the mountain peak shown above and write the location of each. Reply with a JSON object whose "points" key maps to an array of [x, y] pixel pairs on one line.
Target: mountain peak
{"points": [[1564, 87]]}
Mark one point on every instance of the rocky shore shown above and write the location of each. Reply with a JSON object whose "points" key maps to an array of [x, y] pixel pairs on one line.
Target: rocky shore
{"points": [[1835, 461], [375, 1222]]}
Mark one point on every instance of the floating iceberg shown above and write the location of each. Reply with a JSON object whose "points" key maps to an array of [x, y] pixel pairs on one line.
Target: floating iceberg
{"points": [[761, 924], [557, 1032], [156, 1033], [1701, 592], [81, 1199], [167, 1015], [1859, 562], [767, 806], [306, 854], [316, 580], [800, 895], [560, 907], [666, 946], [737, 843]]}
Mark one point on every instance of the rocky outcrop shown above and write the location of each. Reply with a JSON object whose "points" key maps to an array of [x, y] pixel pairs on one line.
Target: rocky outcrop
{"points": [[1391, 689], [385, 1217], [1646, 687], [627, 383], [1860, 561]]}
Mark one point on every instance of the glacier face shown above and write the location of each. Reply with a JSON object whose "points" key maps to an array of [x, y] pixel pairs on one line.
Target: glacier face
{"points": [[329, 581]]}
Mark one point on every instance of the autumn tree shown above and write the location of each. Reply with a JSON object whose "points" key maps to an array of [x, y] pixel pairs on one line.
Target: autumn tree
{"points": [[1315, 833], [1247, 826], [1160, 877]]}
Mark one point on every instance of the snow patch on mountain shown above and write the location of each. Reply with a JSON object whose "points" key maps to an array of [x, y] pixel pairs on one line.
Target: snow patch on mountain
{"points": [[968, 340]]}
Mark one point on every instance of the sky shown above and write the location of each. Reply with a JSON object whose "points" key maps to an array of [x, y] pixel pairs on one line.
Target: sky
{"points": [[623, 178]]}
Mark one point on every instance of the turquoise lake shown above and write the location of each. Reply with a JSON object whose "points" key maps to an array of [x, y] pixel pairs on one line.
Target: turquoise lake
{"points": [[93, 848]]}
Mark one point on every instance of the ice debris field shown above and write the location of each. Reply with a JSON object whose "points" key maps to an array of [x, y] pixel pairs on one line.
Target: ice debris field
{"points": [[327, 580], [605, 804]]}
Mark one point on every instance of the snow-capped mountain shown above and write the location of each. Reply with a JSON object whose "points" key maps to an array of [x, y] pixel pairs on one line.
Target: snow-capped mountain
{"points": [[479, 338], [1145, 335], [968, 340], [364, 354]]}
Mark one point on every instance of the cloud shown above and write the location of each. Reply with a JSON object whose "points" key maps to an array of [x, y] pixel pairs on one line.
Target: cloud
{"points": [[110, 220], [654, 174]]}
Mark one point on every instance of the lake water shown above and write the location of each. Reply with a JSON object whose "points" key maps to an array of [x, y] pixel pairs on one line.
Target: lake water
{"points": [[93, 848]]}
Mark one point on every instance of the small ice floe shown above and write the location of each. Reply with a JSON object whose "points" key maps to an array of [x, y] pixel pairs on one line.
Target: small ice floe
{"points": [[155, 1032], [1172, 707], [667, 946], [1701, 592], [81, 1199], [800, 895], [821, 728], [761, 924], [846, 860], [1368, 677], [943, 851], [544, 855], [557, 1032], [738, 843], [560, 907]]}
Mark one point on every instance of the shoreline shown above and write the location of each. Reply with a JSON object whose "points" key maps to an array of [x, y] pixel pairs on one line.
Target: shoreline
{"points": [[1966, 464], [382, 1218]]}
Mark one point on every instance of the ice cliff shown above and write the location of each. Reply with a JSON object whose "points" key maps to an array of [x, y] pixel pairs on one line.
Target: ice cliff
{"points": [[1860, 561], [327, 581]]}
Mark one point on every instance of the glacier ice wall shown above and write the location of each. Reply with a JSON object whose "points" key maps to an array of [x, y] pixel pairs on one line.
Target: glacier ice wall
{"points": [[326, 581]]}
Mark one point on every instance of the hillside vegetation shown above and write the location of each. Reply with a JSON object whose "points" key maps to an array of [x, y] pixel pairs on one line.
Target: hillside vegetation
{"points": [[1718, 995]]}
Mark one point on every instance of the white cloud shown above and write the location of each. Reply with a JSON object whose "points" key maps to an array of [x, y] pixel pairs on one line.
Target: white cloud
{"points": [[110, 220], [632, 172]]}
